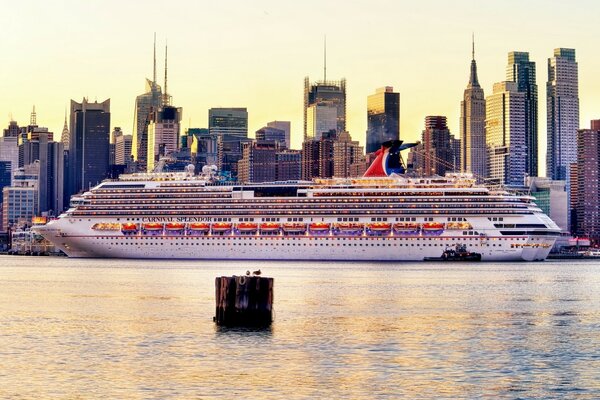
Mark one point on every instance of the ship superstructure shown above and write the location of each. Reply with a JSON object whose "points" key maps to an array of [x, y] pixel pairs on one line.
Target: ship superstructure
{"points": [[176, 215]]}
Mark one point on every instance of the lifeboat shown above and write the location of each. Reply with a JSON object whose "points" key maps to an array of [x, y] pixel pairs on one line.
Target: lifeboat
{"points": [[319, 227], [152, 226], [129, 228], [174, 226], [247, 227], [269, 228], [349, 228], [433, 227], [406, 227], [294, 227], [199, 226], [459, 225], [221, 227], [379, 227]]}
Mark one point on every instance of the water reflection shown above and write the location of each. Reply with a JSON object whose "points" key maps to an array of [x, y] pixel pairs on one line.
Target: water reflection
{"points": [[79, 328]]}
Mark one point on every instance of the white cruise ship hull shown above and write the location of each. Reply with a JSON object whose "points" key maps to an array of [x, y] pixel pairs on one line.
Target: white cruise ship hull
{"points": [[84, 244]]}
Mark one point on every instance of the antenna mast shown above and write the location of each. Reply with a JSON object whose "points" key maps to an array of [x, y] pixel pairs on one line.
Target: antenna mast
{"points": [[324, 58], [154, 70], [33, 119], [165, 93]]}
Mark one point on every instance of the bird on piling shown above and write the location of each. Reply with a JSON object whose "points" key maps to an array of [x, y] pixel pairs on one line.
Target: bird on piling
{"points": [[257, 273], [247, 273]]}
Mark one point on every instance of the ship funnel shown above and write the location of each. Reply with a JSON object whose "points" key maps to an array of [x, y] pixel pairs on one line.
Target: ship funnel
{"points": [[388, 159]]}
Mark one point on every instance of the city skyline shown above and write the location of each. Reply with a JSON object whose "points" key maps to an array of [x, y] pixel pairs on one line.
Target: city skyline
{"points": [[247, 65]]}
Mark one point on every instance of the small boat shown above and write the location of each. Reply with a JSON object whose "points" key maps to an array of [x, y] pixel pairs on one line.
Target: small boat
{"points": [[269, 228], [294, 227], [199, 226], [319, 227], [175, 226], [349, 228], [458, 253], [406, 227], [379, 228], [129, 227], [221, 227], [433, 228], [247, 227], [152, 226]]}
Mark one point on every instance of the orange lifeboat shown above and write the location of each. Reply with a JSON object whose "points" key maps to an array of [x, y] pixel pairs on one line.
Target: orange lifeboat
{"points": [[294, 227], [220, 227], [129, 227], [152, 226], [349, 228], [247, 227], [199, 226], [433, 226], [319, 227], [269, 227], [402, 227], [380, 227], [174, 226]]}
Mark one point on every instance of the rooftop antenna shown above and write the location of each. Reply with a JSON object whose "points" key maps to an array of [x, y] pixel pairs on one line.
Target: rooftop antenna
{"points": [[154, 71], [473, 44], [324, 58], [33, 119]]}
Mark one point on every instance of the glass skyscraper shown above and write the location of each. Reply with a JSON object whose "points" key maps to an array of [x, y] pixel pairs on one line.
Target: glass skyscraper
{"points": [[383, 117], [522, 71], [330, 92], [563, 114]]}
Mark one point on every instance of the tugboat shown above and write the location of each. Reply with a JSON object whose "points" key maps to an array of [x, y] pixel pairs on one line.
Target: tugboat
{"points": [[458, 253]]}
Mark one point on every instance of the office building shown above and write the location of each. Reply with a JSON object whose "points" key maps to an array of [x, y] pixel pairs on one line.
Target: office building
{"points": [[163, 134], [258, 161], [473, 153], [522, 71], [289, 165], [9, 152], [230, 127], [587, 186], [20, 201], [317, 157], [505, 135], [321, 118], [562, 99], [383, 117], [551, 197], [284, 126], [348, 157], [330, 92], [123, 146], [439, 152], [89, 144], [268, 133]]}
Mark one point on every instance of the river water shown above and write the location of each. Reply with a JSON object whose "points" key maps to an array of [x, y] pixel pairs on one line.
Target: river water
{"points": [[143, 329]]}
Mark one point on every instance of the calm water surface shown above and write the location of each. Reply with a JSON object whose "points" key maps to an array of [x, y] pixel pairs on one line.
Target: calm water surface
{"points": [[143, 329]]}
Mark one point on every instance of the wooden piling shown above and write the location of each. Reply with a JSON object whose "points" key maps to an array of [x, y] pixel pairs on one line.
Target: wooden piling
{"points": [[244, 301]]}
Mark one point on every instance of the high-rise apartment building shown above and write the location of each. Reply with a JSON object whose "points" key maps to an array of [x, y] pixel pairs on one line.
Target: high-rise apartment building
{"points": [[587, 186], [284, 126], [505, 135], [563, 113], [20, 201], [89, 144], [330, 92], [318, 157], [123, 145], [383, 117], [258, 161], [473, 154], [348, 157], [522, 71]]}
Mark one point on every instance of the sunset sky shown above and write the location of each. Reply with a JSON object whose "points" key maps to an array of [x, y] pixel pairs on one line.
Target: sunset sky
{"points": [[256, 55]]}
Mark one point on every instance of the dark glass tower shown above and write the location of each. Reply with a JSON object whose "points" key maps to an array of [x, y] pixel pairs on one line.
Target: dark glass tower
{"points": [[329, 92], [89, 144], [522, 71], [383, 117]]}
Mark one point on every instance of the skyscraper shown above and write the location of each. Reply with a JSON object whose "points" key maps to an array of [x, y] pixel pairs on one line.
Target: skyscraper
{"points": [[123, 149], [284, 126], [522, 71], [230, 127], [348, 157], [145, 105], [89, 144], [587, 185], [563, 114], [321, 118], [163, 134], [383, 117], [472, 126], [64, 137], [272, 134], [505, 134], [331, 92], [439, 153]]}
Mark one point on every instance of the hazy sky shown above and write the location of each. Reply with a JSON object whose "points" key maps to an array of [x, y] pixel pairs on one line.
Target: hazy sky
{"points": [[255, 54]]}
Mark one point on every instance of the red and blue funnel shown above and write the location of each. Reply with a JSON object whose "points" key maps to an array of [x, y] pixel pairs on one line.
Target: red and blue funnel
{"points": [[388, 160]]}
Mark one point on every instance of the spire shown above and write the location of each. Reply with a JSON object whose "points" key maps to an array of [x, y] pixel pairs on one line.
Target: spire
{"points": [[154, 72], [325, 58], [165, 93], [33, 119], [473, 82], [64, 137]]}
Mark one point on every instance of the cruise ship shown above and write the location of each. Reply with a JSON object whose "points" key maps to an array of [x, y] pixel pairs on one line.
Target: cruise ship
{"points": [[383, 216]]}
